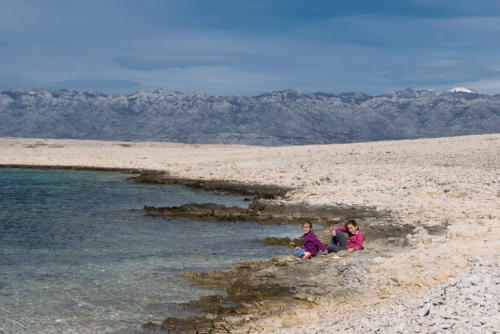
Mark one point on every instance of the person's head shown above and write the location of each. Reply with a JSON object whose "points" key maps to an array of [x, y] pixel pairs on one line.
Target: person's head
{"points": [[307, 226], [351, 226]]}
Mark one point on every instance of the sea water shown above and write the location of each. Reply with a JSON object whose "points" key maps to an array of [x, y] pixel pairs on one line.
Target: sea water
{"points": [[76, 256]]}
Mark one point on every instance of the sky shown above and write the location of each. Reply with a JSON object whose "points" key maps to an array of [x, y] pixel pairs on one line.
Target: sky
{"points": [[229, 47]]}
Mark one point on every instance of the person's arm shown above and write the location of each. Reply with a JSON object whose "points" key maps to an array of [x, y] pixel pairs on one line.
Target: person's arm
{"points": [[319, 244], [303, 243], [338, 228], [358, 242]]}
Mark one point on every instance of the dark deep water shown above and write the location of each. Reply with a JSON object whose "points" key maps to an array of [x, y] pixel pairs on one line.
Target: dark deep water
{"points": [[75, 257]]}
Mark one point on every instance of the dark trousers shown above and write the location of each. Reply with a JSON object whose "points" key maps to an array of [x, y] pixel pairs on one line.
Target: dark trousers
{"points": [[337, 243]]}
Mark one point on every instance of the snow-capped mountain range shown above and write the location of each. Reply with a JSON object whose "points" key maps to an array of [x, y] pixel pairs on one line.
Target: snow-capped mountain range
{"points": [[462, 90], [276, 118]]}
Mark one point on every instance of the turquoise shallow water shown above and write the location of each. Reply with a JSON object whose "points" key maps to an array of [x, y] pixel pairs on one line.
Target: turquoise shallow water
{"points": [[76, 258]]}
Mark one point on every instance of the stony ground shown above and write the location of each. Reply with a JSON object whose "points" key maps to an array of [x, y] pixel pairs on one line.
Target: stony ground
{"points": [[468, 303], [432, 182], [387, 290]]}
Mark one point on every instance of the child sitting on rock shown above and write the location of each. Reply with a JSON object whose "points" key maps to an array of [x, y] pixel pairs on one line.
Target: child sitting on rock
{"points": [[339, 242], [312, 245]]}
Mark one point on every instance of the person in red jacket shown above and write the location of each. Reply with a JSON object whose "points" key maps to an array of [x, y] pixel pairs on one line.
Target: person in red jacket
{"points": [[339, 242]]}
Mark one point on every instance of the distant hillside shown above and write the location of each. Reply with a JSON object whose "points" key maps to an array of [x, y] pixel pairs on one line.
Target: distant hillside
{"points": [[276, 118]]}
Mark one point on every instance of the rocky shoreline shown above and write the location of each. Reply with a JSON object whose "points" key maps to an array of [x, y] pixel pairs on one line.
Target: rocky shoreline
{"points": [[444, 192], [82, 167], [218, 186], [264, 212], [262, 289], [273, 288], [258, 290]]}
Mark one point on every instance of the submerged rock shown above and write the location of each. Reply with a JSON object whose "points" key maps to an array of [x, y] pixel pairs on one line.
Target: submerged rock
{"points": [[219, 186], [265, 212], [283, 241]]}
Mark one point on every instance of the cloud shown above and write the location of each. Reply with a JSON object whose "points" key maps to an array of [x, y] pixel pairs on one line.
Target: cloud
{"points": [[216, 80], [10, 81], [111, 86], [392, 32], [460, 7], [442, 63], [182, 60], [226, 47]]}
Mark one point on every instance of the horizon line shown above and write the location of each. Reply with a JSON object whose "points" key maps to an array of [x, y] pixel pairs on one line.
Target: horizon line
{"points": [[26, 87]]}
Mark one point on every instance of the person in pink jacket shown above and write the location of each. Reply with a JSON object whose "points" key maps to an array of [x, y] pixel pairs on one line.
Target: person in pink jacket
{"points": [[339, 242]]}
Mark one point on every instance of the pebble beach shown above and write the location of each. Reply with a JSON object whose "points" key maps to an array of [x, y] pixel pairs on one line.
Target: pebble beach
{"points": [[446, 282]]}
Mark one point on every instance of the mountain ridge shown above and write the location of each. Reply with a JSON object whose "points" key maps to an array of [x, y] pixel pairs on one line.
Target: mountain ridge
{"points": [[286, 117], [35, 89]]}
